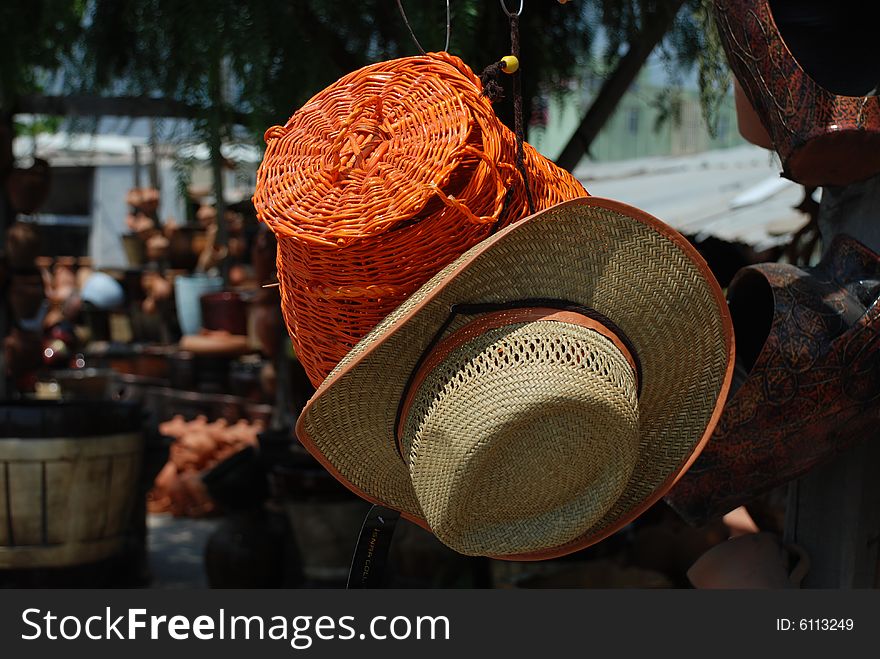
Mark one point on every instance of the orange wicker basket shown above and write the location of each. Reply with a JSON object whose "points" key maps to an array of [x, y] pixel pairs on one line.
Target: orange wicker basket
{"points": [[377, 183]]}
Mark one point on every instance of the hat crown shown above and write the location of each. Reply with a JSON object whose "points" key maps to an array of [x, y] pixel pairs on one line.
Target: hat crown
{"points": [[523, 436]]}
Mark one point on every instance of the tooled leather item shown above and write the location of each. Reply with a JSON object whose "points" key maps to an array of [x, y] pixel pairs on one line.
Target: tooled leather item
{"points": [[823, 138], [814, 386]]}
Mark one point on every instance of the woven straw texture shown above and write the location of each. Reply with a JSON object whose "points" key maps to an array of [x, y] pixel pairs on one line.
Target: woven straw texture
{"points": [[594, 252], [378, 182], [546, 403]]}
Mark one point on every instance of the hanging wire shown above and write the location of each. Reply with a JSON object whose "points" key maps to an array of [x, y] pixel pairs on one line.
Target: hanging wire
{"points": [[519, 128], [509, 13], [448, 26]]}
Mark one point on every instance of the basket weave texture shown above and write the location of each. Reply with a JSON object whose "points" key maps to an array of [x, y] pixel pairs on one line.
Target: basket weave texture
{"points": [[377, 183]]}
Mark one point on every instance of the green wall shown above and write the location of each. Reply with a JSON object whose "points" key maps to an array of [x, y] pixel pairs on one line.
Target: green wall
{"points": [[632, 132]]}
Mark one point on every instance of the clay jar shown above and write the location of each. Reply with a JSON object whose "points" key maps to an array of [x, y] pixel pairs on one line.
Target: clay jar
{"points": [[146, 200], [757, 560], [22, 245], [748, 122], [224, 311]]}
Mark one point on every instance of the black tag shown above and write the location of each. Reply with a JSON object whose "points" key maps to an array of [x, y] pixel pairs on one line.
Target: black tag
{"points": [[371, 553]]}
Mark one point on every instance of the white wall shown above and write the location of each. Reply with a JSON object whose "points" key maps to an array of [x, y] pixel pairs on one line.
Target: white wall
{"points": [[111, 184]]}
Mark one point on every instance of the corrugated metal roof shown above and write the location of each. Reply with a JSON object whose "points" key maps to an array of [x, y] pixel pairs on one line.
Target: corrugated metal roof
{"points": [[72, 149], [734, 194]]}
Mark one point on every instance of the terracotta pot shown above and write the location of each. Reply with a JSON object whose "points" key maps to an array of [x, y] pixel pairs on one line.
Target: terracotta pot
{"points": [[750, 126], [146, 200], [757, 560], [22, 245], [224, 311], [217, 344], [239, 276], [190, 404], [157, 247], [206, 215]]}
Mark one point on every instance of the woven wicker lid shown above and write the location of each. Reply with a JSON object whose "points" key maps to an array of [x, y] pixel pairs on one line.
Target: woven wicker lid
{"points": [[534, 431]]}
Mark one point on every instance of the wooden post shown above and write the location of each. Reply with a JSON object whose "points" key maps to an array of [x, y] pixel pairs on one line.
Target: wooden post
{"points": [[136, 166], [834, 511], [153, 167]]}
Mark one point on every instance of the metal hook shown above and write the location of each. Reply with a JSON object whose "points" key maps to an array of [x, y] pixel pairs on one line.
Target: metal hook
{"points": [[509, 13], [413, 35]]}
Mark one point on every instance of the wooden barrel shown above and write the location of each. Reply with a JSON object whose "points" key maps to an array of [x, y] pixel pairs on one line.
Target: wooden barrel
{"points": [[69, 473]]}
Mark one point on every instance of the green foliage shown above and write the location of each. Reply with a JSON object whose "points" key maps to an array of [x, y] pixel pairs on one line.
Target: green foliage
{"points": [[693, 43], [276, 55], [44, 124], [37, 38], [271, 56], [714, 73]]}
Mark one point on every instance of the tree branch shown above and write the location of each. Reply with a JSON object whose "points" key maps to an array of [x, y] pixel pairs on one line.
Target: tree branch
{"points": [[655, 27]]}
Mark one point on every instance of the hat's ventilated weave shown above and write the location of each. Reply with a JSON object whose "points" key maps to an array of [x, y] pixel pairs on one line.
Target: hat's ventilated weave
{"points": [[539, 392], [378, 182]]}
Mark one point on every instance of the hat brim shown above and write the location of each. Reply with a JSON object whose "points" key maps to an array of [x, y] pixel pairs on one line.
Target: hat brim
{"points": [[598, 253]]}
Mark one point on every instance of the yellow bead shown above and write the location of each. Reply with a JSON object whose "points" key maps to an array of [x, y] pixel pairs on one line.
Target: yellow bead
{"points": [[509, 64]]}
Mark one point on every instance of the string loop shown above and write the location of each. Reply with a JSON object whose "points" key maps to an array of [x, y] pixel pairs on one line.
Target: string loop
{"points": [[413, 34], [509, 13]]}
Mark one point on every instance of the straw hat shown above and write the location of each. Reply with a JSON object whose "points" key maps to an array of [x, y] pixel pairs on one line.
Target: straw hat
{"points": [[539, 392]]}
